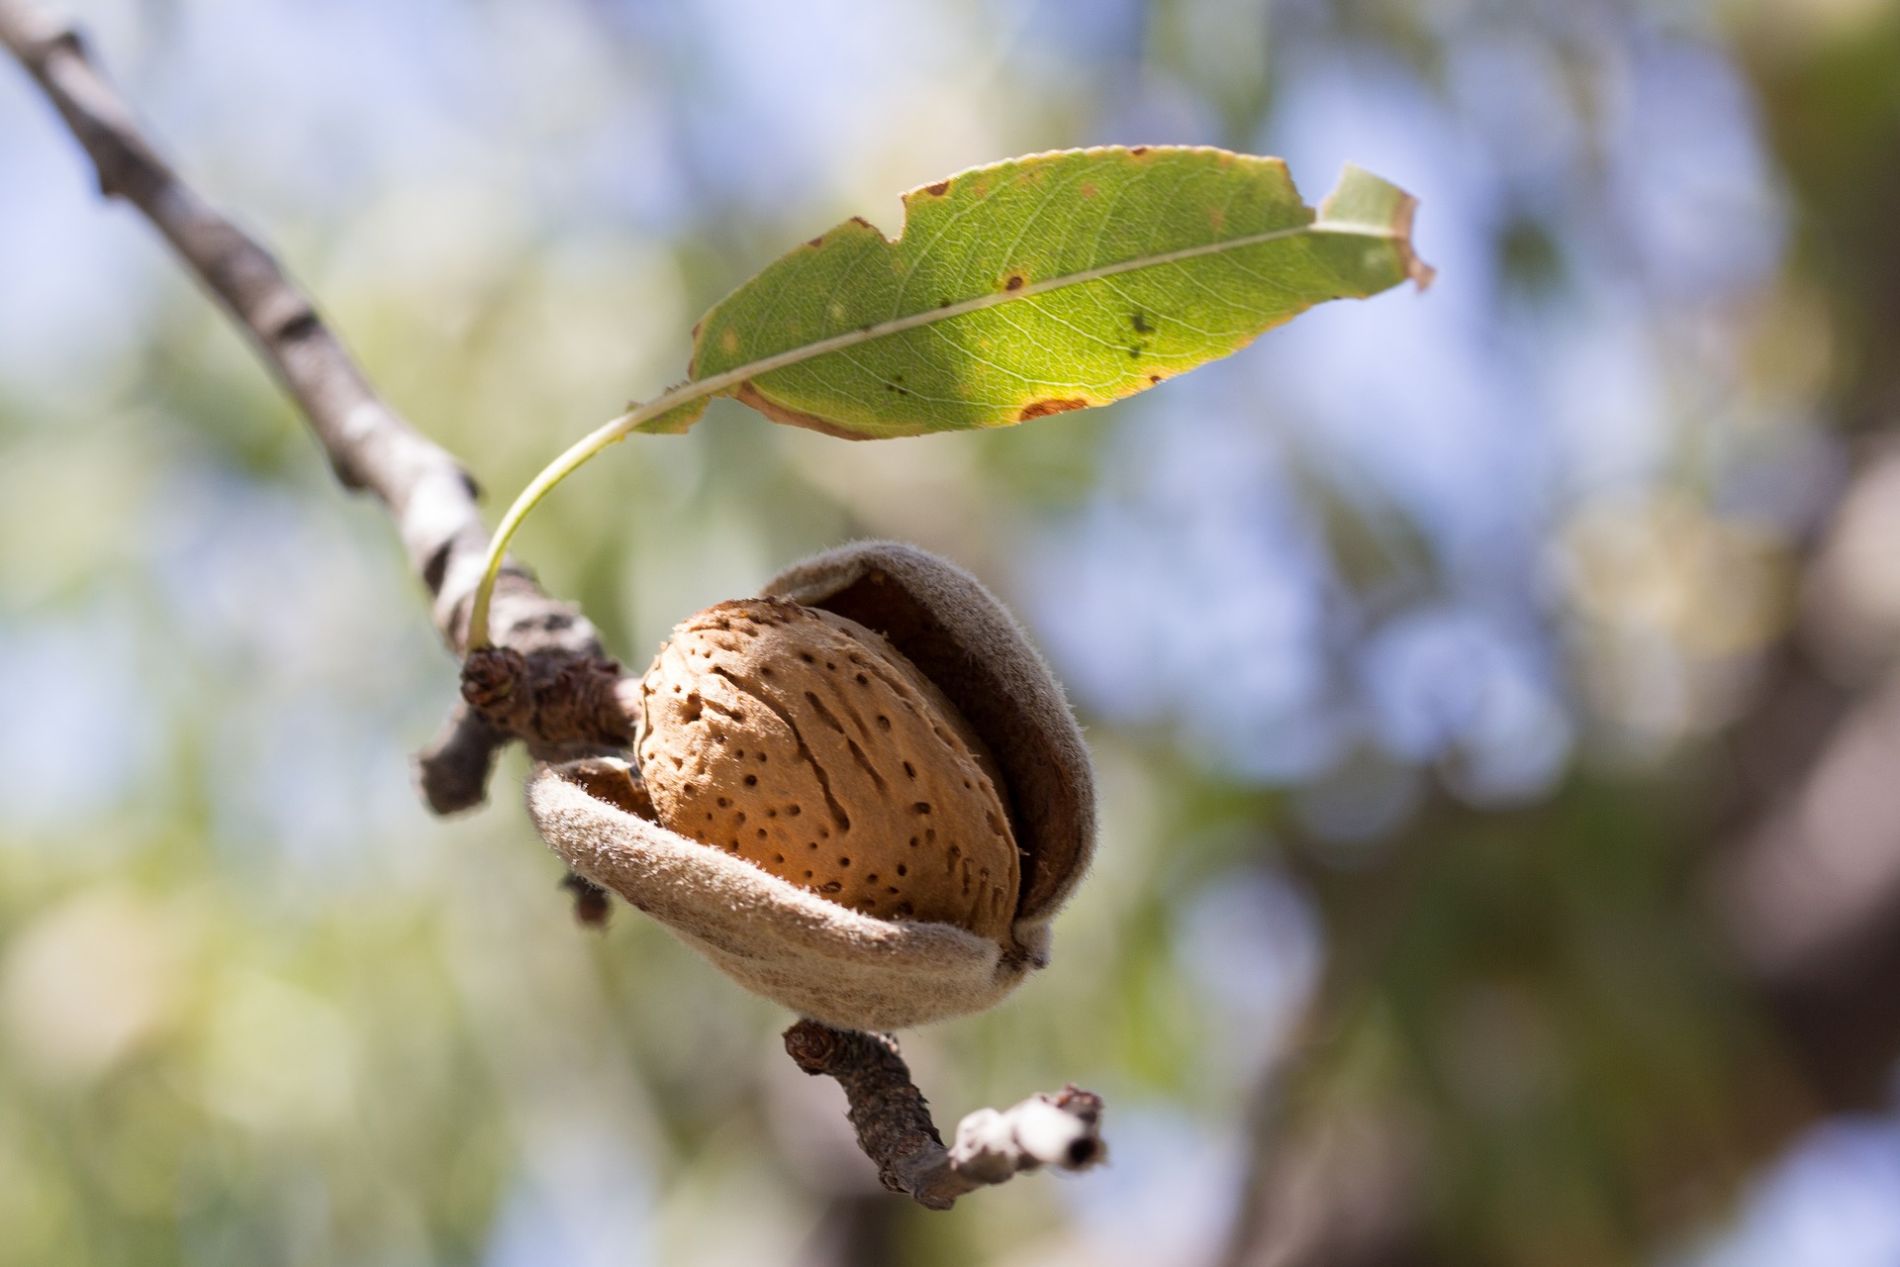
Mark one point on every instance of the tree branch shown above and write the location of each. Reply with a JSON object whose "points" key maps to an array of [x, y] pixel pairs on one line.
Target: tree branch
{"points": [[370, 446], [1060, 1129], [546, 680]]}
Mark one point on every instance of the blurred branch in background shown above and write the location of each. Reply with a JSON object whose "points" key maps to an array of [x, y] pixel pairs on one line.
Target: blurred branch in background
{"points": [[546, 681], [370, 447]]}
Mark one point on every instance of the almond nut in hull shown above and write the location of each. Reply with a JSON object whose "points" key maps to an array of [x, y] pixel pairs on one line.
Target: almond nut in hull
{"points": [[805, 744], [850, 968]]}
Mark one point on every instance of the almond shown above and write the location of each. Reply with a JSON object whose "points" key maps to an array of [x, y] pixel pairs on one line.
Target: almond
{"points": [[962, 688], [806, 744]]}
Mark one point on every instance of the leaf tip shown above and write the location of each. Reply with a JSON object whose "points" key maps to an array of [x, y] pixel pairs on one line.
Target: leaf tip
{"points": [[1363, 202], [1417, 270]]}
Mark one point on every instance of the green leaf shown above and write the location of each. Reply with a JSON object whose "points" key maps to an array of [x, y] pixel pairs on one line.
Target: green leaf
{"points": [[1040, 285], [1026, 288]]}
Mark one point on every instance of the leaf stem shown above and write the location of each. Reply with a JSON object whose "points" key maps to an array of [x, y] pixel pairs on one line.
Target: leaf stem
{"points": [[610, 433], [540, 486], [559, 469]]}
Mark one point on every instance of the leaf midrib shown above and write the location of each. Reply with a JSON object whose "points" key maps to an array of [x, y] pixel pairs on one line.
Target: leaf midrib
{"points": [[715, 384]]}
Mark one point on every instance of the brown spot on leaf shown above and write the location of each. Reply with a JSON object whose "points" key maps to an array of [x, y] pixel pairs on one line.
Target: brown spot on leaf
{"points": [[1139, 150], [1153, 379], [1216, 219], [817, 241], [938, 190], [1088, 189], [751, 395], [1043, 408], [1015, 282], [861, 222], [729, 340]]}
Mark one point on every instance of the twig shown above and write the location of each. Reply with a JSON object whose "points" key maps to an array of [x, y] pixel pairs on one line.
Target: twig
{"points": [[370, 446], [546, 680], [1060, 1130]]}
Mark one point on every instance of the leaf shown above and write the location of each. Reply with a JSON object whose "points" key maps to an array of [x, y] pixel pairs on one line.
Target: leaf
{"points": [[1026, 288], [1040, 285]]}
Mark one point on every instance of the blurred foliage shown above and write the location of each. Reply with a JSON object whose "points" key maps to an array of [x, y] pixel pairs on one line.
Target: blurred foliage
{"points": [[1409, 671]]}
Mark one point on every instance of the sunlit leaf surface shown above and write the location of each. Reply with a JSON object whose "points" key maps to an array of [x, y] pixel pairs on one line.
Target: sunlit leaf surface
{"points": [[1041, 285]]}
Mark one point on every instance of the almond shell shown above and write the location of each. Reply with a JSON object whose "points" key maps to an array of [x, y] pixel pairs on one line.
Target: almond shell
{"points": [[822, 960]]}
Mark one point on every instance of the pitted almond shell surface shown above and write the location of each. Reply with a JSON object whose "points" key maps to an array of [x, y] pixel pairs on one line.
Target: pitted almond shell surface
{"points": [[804, 743], [942, 620]]}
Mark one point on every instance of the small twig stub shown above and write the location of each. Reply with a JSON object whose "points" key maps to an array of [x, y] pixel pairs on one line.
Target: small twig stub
{"points": [[1059, 1130]]}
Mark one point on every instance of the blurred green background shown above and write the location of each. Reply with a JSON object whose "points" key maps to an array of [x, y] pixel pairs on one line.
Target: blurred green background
{"points": [[1492, 691]]}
